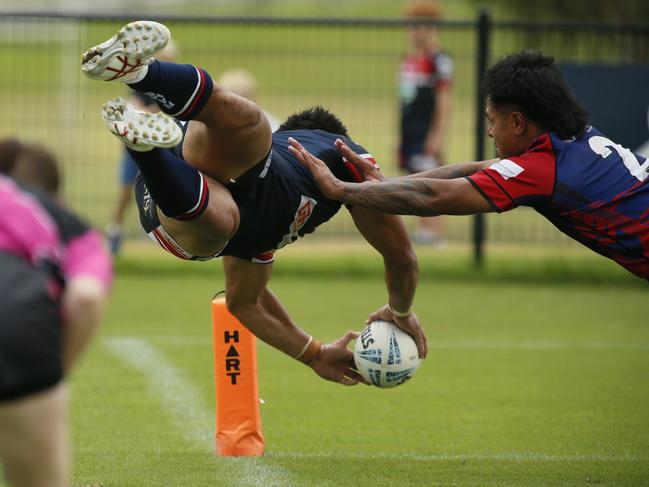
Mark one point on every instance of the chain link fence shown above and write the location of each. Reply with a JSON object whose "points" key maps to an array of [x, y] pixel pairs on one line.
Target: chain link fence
{"points": [[349, 66]]}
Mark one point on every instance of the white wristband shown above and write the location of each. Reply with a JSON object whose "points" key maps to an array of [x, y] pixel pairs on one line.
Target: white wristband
{"points": [[400, 314], [297, 357]]}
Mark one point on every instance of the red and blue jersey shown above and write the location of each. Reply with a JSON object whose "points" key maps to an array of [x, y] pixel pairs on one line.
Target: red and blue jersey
{"points": [[421, 76], [590, 188]]}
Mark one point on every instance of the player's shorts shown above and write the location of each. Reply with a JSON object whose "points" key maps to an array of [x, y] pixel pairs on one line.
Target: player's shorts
{"points": [[30, 331], [128, 170]]}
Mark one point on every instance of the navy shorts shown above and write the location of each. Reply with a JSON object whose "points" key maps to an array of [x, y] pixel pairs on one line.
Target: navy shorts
{"points": [[30, 330]]}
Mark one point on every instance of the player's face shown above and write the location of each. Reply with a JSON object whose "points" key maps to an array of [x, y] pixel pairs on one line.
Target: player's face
{"points": [[422, 36], [502, 128]]}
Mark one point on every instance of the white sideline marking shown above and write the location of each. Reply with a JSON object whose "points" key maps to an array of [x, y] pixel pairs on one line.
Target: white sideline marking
{"points": [[442, 457], [540, 346], [180, 399], [182, 402]]}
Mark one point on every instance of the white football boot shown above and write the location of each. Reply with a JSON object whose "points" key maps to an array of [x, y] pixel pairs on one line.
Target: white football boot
{"points": [[139, 130], [124, 56]]}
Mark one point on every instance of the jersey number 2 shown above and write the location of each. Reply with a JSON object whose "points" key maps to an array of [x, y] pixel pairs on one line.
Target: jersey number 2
{"points": [[602, 146]]}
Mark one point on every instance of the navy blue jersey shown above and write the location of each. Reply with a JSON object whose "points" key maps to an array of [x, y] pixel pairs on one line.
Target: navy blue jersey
{"points": [[279, 201], [590, 188]]}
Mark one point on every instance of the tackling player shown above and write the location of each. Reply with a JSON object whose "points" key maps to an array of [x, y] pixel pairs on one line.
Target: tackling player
{"points": [[221, 185], [588, 186]]}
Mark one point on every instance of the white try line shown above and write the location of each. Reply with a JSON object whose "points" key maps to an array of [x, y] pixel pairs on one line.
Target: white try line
{"points": [[538, 345], [183, 403], [534, 457]]}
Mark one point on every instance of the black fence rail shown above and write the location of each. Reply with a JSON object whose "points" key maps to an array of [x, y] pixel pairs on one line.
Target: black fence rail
{"points": [[349, 66]]}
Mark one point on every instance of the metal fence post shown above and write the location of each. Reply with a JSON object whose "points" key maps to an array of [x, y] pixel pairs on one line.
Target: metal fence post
{"points": [[484, 32]]}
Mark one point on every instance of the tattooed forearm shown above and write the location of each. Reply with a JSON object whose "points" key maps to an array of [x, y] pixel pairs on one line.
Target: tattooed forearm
{"points": [[401, 196]]}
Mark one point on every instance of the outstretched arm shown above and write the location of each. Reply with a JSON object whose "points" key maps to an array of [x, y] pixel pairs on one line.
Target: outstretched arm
{"points": [[388, 235], [420, 196], [255, 306]]}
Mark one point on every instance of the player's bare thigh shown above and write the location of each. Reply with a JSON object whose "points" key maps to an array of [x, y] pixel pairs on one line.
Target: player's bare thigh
{"points": [[230, 136], [209, 233], [34, 445]]}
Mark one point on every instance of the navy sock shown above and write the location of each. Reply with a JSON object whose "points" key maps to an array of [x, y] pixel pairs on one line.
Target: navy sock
{"points": [[179, 190], [181, 90]]}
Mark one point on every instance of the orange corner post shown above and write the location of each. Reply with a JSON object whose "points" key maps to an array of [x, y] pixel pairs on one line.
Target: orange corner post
{"points": [[238, 422]]}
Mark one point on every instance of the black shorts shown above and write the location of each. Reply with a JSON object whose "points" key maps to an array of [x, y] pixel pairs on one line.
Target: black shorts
{"points": [[30, 330]]}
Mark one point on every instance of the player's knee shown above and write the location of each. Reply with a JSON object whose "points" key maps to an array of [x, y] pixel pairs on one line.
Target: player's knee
{"points": [[236, 307], [216, 223]]}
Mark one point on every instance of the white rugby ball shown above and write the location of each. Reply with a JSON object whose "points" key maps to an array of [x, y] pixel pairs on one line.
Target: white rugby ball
{"points": [[385, 355]]}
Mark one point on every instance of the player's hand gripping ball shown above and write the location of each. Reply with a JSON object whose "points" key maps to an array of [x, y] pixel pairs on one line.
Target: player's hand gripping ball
{"points": [[385, 355]]}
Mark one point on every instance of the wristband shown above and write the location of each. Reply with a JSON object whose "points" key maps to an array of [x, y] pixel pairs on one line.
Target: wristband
{"points": [[400, 314], [310, 351]]}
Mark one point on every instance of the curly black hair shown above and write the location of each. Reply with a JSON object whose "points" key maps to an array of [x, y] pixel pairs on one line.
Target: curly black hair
{"points": [[531, 82], [315, 118]]}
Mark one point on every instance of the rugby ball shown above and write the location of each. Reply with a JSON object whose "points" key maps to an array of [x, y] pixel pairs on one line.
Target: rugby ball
{"points": [[385, 355]]}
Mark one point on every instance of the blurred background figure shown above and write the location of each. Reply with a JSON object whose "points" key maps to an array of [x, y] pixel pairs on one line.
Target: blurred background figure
{"points": [[53, 287], [31, 164], [244, 84], [128, 171], [425, 79]]}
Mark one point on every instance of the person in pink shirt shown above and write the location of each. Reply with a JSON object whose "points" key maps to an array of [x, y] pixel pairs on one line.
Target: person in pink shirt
{"points": [[53, 288]]}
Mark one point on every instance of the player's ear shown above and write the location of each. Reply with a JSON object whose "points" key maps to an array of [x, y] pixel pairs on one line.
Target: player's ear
{"points": [[519, 122]]}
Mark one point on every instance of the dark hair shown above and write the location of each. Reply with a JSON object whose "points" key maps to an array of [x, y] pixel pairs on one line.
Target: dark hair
{"points": [[31, 164], [533, 84], [315, 118], [10, 149], [37, 167]]}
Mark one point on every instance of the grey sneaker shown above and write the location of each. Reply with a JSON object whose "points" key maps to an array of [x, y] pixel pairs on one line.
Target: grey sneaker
{"points": [[138, 130], [123, 56]]}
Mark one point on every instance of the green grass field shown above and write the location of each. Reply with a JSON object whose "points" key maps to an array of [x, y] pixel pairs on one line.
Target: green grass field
{"points": [[537, 374], [532, 379]]}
